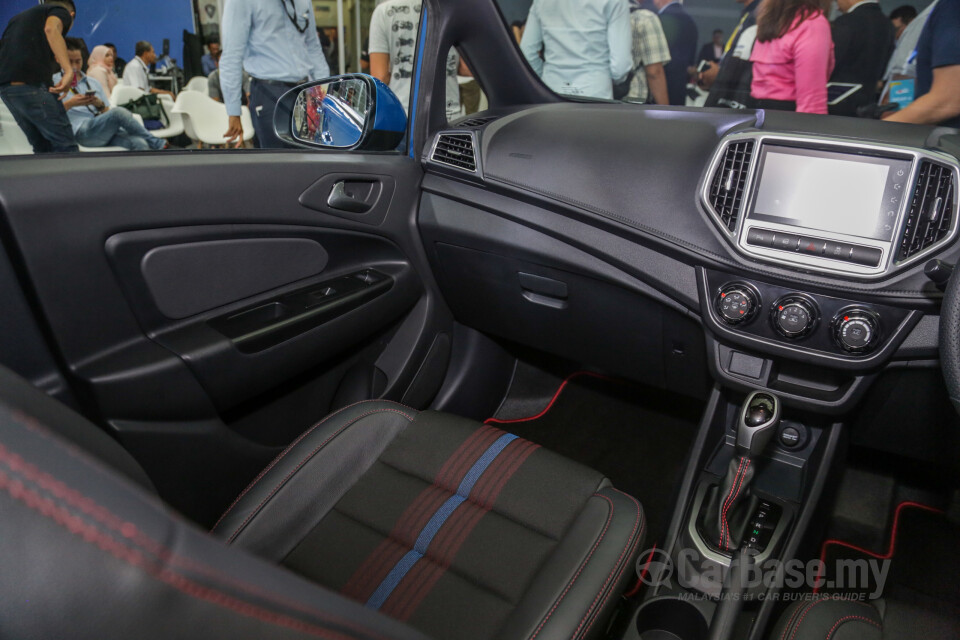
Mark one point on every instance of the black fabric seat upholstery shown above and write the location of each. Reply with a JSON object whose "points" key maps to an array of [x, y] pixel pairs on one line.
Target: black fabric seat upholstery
{"points": [[829, 618], [379, 522]]}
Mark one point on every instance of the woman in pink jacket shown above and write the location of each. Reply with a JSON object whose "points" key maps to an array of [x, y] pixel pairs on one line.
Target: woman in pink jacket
{"points": [[793, 56]]}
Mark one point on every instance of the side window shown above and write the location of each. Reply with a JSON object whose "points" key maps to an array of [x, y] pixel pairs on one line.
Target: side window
{"points": [[182, 74]]}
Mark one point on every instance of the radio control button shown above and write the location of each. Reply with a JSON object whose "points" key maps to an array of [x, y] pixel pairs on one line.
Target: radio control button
{"points": [[785, 241], [760, 237], [837, 251], [867, 256]]}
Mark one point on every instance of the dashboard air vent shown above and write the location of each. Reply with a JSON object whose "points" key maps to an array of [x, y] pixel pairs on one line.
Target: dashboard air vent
{"points": [[476, 122], [931, 211], [729, 183], [455, 150]]}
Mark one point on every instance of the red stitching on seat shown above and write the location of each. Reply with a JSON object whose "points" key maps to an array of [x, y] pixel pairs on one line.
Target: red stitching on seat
{"points": [[580, 568], [131, 532], [848, 619], [810, 607], [287, 450], [636, 541], [279, 486], [91, 534]]}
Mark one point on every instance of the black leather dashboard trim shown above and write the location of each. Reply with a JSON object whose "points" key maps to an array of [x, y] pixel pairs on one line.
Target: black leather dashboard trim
{"points": [[648, 181]]}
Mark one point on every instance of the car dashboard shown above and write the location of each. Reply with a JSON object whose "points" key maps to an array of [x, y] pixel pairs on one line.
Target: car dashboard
{"points": [[811, 251]]}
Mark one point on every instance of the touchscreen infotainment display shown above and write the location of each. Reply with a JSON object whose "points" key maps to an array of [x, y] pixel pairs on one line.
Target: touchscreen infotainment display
{"points": [[830, 192]]}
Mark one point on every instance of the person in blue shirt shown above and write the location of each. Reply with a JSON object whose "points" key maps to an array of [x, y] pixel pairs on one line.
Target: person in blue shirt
{"points": [[210, 61], [94, 122], [938, 70], [276, 42], [586, 45]]}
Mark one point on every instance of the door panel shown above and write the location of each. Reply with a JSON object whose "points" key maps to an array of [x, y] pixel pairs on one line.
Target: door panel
{"points": [[195, 300]]}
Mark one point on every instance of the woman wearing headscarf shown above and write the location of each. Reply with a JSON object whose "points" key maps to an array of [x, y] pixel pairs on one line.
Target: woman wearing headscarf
{"points": [[100, 67], [793, 55]]}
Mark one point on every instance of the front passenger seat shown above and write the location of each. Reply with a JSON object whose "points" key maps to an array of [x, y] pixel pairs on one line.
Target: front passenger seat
{"points": [[455, 529]]}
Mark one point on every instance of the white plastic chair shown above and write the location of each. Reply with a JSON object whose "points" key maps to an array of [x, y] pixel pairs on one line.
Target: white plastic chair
{"points": [[198, 83], [13, 141], [122, 94], [205, 119]]}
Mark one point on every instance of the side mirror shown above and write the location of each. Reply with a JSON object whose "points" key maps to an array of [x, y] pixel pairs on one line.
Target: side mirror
{"points": [[353, 111]]}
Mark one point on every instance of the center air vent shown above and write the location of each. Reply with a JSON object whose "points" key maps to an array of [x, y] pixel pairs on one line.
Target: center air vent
{"points": [[455, 150], [729, 182], [932, 210], [476, 122]]}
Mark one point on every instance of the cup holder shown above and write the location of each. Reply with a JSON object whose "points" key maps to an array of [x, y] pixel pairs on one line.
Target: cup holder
{"points": [[670, 618]]}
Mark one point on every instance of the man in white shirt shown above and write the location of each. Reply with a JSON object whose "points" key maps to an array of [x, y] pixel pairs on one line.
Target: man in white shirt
{"points": [[137, 72], [393, 37]]}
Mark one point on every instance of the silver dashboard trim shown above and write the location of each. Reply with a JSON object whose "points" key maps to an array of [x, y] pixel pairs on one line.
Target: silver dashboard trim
{"points": [[476, 147], [887, 265]]}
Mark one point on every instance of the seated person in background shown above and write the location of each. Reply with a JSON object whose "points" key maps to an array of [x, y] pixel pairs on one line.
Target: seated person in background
{"points": [[211, 61], [215, 92], [118, 63], [100, 68], [94, 123], [137, 71]]}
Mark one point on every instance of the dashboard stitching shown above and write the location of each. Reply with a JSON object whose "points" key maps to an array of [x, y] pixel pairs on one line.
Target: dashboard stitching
{"points": [[689, 245]]}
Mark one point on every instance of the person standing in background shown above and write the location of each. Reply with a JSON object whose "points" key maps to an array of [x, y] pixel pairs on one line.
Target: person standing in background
{"points": [[938, 70], [586, 45], [713, 50], [902, 68], [277, 44], [393, 34], [100, 67], [650, 53], [793, 56], [901, 17], [682, 36], [32, 48], [863, 42], [729, 82]]}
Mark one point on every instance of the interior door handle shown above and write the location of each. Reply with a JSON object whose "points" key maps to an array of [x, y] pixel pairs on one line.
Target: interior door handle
{"points": [[355, 196]]}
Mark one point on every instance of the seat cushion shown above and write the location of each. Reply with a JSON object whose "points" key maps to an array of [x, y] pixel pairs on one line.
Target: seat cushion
{"points": [[460, 529], [828, 618]]}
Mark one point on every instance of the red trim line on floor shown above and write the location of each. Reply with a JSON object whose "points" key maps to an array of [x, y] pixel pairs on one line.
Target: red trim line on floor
{"points": [[891, 546], [563, 385], [643, 574]]}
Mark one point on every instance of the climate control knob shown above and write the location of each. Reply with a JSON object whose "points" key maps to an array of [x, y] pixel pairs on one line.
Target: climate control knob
{"points": [[737, 303], [794, 316], [856, 330]]}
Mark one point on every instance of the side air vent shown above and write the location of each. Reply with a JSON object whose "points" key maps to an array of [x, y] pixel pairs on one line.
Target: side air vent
{"points": [[932, 210], [729, 182], [455, 150], [476, 122]]}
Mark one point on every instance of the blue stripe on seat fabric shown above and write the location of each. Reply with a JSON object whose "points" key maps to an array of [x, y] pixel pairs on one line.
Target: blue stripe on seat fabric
{"points": [[407, 562]]}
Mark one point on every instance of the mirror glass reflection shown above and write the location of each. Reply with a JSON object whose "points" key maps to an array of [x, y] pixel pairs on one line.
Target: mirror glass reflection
{"points": [[332, 114]]}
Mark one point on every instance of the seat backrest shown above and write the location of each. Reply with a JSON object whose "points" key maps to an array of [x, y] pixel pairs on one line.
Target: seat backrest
{"points": [[208, 118], [86, 553], [122, 94], [197, 83]]}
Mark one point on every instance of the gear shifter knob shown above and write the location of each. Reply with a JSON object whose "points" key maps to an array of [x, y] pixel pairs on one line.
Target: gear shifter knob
{"points": [[758, 422]]}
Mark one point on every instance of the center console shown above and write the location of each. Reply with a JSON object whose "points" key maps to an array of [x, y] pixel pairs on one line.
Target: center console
{"points": [[863, 210]]}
